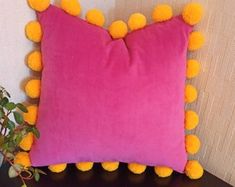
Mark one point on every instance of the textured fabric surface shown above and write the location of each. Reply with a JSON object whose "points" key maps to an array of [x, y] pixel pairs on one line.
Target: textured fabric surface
{"points": [[111, 100]]}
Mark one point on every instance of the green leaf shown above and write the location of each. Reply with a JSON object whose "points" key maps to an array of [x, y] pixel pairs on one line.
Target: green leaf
{"points": [[18, 117], [41, 172], [22, 107], [14, 171], [36, 176], [18, 139], [1, 139], [1, 113], [24, 185], [36, 132], [10, 106], [10, 125], [4, 101]]}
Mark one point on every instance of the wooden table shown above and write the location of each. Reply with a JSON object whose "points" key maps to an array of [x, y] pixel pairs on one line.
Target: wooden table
{"points": [[97, 177]]}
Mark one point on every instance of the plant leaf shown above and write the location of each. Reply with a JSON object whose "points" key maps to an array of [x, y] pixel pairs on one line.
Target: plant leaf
{"points": [[41, 172], [36, 132], [10, 106], [18, 117], [10, 125], [24, 185], [4, 101], [22, 107], [18, 139], [1, 113], [36, 176], [14, 171], [1, 140]]}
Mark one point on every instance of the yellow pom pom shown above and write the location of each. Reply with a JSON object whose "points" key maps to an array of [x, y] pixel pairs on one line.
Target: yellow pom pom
{"points": [[95, 17], [118, 29], [31, 116], [33, 31], [196, 41], [162, 12], [190, 93], [22, 158], [193, 169], [137, 21], [162, 171], [84, 166], [57, 168], [192, 13], [39, 5], [191, 120], [26, 142], [192, 144], [35, 61], [193, 68], [32, 88], [136, 168], [110, 166], [72, 7]]}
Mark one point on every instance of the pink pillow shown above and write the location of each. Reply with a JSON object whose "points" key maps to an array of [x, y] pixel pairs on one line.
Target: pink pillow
{"points": [[111, 100]]}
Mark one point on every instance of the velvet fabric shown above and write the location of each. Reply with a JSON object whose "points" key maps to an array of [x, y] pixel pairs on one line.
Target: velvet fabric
{"points": [[111, 100]]}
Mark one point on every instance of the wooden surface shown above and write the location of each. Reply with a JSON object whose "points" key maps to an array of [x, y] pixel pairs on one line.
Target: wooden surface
{"points": [[97, 177]]}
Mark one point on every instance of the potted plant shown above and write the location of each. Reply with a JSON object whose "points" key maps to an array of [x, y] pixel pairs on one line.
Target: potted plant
{"points": [[13, 130]]}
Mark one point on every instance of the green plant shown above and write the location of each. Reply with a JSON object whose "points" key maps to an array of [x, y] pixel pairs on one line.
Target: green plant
{"points": [[13, 129]]}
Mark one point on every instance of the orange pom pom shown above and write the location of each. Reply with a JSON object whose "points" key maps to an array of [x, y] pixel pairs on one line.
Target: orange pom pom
{"points": [[27, 142], [35, 61], [162, 12], [118, 29], [196, 41], [162, 171], [137, 21], [192, 13], [84, 166], [22, 158], [193, 169], [193, 68], [32, 88], [72, 7], [57, 168], [136, 168], [95, 17], [31, 116], [192, 144], [190, 93], [191, 120], [39, 5], [33, 31], [110, 166]]}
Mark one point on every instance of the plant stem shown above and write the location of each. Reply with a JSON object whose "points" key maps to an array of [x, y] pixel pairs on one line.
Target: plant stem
{"points": [[19, 173]]}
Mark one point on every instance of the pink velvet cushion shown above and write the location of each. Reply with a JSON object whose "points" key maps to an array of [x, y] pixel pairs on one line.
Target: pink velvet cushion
{"points": [[111, 100]]}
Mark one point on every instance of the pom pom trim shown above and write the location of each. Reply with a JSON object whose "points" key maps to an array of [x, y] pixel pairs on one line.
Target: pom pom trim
{"points": [[162, 12], [39, 5], [136, 168], [192, 13], [117, 30], [110, 166], [33, 31], [137, 21]]}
